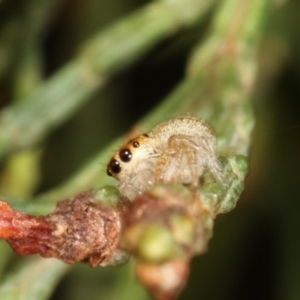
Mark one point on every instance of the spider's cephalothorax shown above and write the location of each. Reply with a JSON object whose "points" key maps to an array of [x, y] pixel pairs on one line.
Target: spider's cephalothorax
{"points": [[175, 151]]}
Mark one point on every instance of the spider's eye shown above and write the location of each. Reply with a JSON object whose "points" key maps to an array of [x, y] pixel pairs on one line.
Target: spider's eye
{"points": [[113, 167], [125, 155], [135, 144]]}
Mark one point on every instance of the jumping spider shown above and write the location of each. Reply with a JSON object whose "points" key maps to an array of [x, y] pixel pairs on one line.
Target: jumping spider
{"points": [[175, 151]]}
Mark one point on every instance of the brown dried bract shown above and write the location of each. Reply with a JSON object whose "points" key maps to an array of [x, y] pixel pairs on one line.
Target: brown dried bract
{"points": [[79, 230], [163, 229], [16, 225], [170, 213], [164, 281]]}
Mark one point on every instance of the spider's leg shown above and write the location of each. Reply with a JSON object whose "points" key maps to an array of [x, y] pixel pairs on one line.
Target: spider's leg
{"points": [[207, 155], [178, 162]]}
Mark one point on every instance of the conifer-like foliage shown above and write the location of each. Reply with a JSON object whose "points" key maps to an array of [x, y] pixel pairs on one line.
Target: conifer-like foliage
{"points": [[78, 79]]}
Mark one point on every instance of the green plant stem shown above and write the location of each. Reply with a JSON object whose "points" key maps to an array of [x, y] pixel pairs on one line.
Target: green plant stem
{"points": [[5, 253], [32, 17], [33, 279], [60, 96]]}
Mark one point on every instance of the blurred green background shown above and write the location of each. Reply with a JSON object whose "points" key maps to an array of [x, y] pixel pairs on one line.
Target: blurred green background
{"points": [[255, 250]]}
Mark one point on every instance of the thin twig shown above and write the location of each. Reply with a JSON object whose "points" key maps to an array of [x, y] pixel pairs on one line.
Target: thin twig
{"points": [[110, 51]]}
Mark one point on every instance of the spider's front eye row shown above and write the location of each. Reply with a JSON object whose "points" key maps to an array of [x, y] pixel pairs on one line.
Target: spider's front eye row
{"points": [[135, 144], [113, 167], [125, 155]]}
